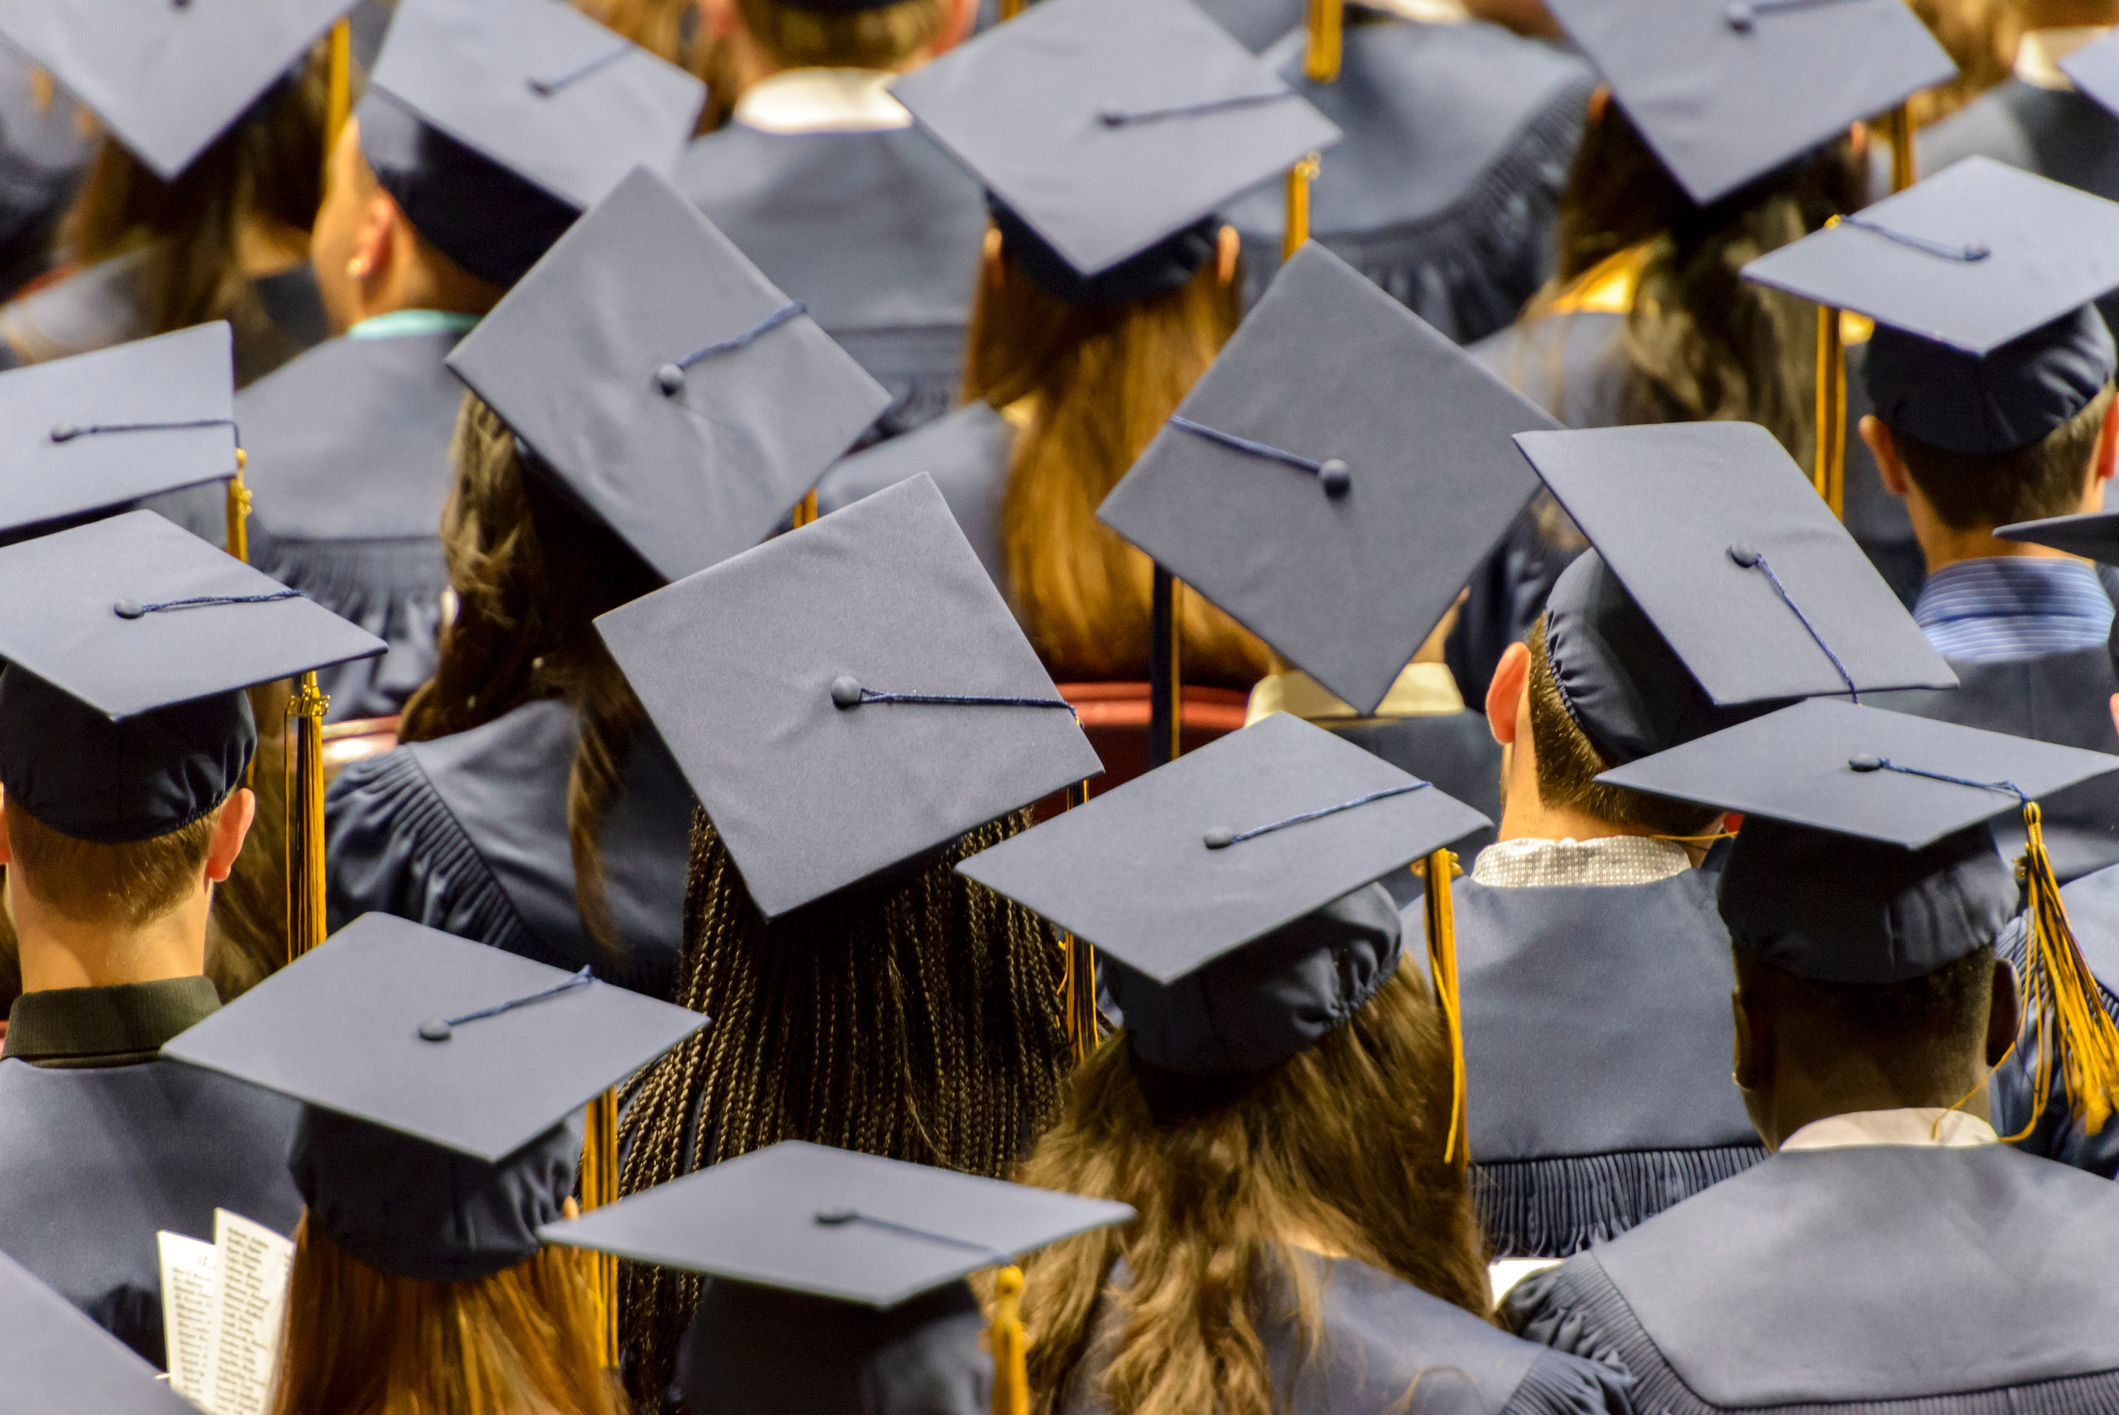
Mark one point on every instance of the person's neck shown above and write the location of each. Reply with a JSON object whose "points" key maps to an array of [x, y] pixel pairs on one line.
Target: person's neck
{"points": [[1525, 816], [62, 953], [1943, 547], [1853, 1087], [750, 65]]}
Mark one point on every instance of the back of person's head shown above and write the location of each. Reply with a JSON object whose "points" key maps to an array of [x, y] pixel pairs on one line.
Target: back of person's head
{"points": [[807, 36], [1342, 1143], [1971, 492], [125, 885]]}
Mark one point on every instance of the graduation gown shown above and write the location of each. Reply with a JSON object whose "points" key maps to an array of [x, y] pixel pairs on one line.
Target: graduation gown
{"points": [[1380, 1337], [43, 150], [1597, 1040], [1444, 190], [1856, 1280], [2093, 911], [966, 453], [348, 469], [468, 834], [879, 233]]}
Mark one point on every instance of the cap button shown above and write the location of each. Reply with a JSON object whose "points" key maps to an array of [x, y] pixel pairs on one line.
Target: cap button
{"points": [[845, 692], [1744, 555], [1740, 15], [1336, 478], [1220, 838], [1864, 761], [436, 1031], [65, 432], [835, 1217], [128, 609], [670, 379]]}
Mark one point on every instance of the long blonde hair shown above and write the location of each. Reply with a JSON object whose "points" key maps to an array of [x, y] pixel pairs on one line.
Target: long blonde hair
{"points": [[1341, 1143], [360, 1341], [1102, 381]]}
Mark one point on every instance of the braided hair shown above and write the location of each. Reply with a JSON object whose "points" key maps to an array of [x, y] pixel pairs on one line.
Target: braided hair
{"points": [[915, 1018]]}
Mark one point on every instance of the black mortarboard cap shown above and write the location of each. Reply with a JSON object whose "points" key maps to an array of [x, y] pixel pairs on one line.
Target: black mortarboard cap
{"points": [[59, 1362], [1865, 856], [834, 1223], [1980, 280], [2093, 535], [167, 78], [1734, 561], [2095, 69], [441, 1077], [494, 123], [665, 382], [1727, 90], [102, 429], [754, 673], [127, 643], [1107, 131], [1334, 479]]}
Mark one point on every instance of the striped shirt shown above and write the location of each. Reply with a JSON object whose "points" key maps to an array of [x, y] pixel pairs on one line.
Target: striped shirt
{"points": [[1984, 611]]}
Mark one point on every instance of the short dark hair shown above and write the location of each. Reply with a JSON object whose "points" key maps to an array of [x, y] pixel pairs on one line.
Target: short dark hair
{"points": [[1568, 764], [1918, 1031], [2029, 484], [89, 883], [881, 38]]}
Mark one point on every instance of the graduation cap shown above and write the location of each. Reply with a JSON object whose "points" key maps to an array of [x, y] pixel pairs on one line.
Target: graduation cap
{"points": [[167, 78], [1725, 91], [106, 428], [1728, 560], [494, 123], [1980, 280], [2095, 70], [1229, 887], [440, 1078], [128, 642], [1865, 857], [1107, 132], [59, 1362], [1334, 479], [848, 696], [2093, 535], [664, 382]]}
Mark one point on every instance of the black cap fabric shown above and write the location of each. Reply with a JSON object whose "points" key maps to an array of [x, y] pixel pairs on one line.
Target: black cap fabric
{"points": [[743, 668], [835, 1224], [102, 429], [1980, 280], [494, 123], [167, 78], [59, 1362], [1378, 477], [2093, 535], [1727, 90], [666, 383], [1692, 517], [2095, 69], [1108, 127]]}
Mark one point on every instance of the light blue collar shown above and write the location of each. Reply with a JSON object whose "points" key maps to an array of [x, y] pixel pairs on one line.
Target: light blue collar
{"points": [[398, 323]]}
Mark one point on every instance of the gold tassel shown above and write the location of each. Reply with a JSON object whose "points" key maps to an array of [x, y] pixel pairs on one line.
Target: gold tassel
{"points": [[1011, 1369], [1830, 476], [806, 508], [599, 1186], [41, 90], [2063, 997], [239, 510], [1327, 23], [1296, 229], [1442, 967], [304, 741], [1011, 8], [1078, 980], [338, 90], [1905, 166]]}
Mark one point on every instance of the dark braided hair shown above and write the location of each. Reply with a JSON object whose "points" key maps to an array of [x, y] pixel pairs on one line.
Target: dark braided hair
{"points": [[916, 1018]]}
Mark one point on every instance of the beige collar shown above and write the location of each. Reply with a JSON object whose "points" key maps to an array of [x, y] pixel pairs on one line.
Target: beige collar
{"points": [[1925, 1127], [2039, 52], [823, 101], [1422, 690]]}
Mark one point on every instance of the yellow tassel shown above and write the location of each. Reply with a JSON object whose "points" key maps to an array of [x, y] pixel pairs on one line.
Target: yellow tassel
{"points": [[239, 511], [2062, 997], [1905, 167], [338, 88], [1078, 975], [1011, 1368], [1442, 967], [1011, 8], [304, 740], [41, 91], [806, 508], [1830, 477], [599, 1186], [1327, 22], [1296, 229]]}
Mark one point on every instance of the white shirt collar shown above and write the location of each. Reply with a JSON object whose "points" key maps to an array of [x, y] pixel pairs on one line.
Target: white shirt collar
{"points": [[2039, 52], [822, 101], [1922, 1126]]}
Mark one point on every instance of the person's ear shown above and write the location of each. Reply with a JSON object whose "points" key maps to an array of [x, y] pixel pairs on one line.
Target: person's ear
{"points": [[958, 20], [1889, 467], [230, 828], [2004, 1013], [2107, 454], [718, 17], [1753, 1059], [1505, 693], [2115, 711], [990, 259], [7, 853], [374, 243], [1599, 100], [1227, 247]]}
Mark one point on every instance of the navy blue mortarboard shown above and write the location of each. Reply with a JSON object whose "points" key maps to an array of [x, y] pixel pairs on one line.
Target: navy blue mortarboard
{"points": [[1107, 133], [664, 382], [494, 123], [2095, 69], [167, 78], [848, 696], [1334, 479], [1725, 91], [440, 1079], [1980, 280], [103, 429], [1229, 888], [59, 1362], [1719, 573], [127, 643]]}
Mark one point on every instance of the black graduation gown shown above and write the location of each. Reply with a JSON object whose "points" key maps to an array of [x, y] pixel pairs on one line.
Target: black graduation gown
{"points": [[966, 453], [94, 1162], [2093, 913], [1380, 1337], [348, 469], [1597, 1040], [1445, 188], [468, 834], [879, 233], [1868, 1280]]}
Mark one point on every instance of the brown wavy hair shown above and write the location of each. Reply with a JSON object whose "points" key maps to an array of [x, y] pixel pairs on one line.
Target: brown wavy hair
{"points": [[914, 1018], [1701, 342], [1341, 1144], [672, 30], [1981, 36], [530, 573], [1102, 382], [359, 1341]]}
